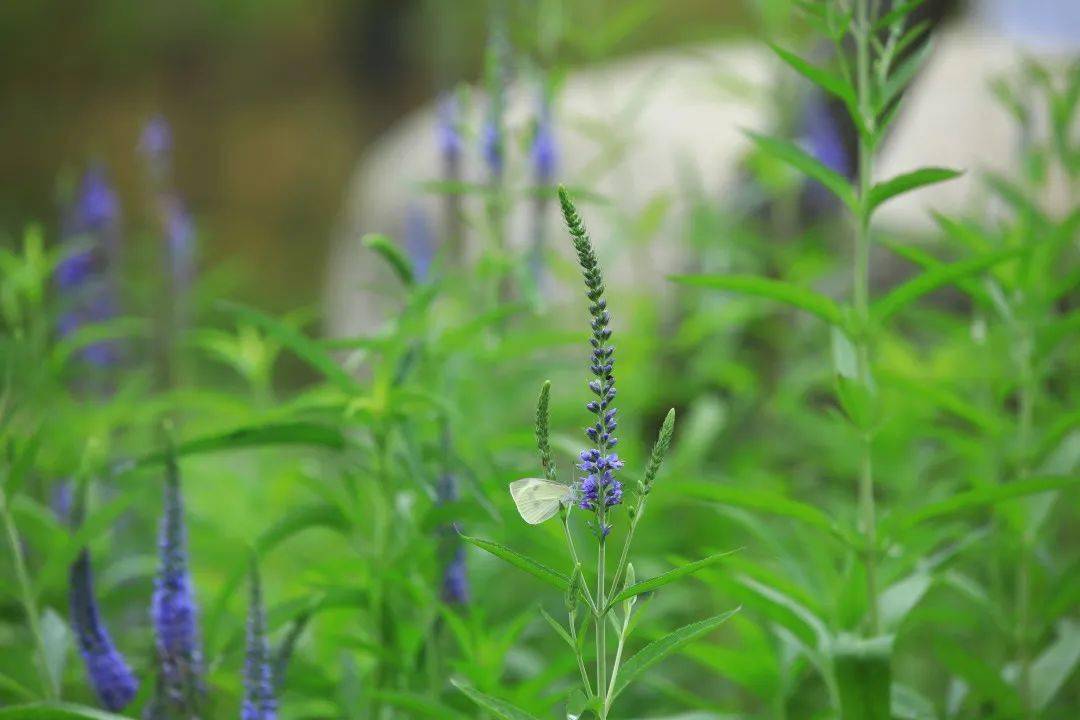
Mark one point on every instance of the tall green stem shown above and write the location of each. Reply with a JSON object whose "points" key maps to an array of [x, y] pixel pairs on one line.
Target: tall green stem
{"points": [[861, 282], [601, 629], [1023, 578], [26, 593]]}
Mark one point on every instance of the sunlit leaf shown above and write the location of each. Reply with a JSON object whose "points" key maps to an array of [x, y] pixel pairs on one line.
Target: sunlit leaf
{"points": [[670, 576], [307, 349], [807, 164], [501, 708], [394, 256], [936, 278], [657, 650], [55, 711], [815, 303], [522, 562], [255, 436], [887, 189], [974, 499]]}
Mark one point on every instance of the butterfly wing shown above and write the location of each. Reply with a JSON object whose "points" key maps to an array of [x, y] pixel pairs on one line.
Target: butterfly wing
{"points": [[538, 500]]}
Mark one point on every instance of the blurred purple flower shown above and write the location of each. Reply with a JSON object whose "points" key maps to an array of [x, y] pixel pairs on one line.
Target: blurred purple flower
{"points": [[491, 145], [259, 701], [173, 610], [455, 583], [108, 672], [455, 578], [448, 131], [155, 144], [544, 152], [85, 277], [419, 241], [180, 241], [822, 135]]}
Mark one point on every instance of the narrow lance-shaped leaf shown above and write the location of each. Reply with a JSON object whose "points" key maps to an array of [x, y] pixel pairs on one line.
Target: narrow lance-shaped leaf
{"points": [[418, 705], [670, 576], [534, 568], [899, 12], [887, 189], [812, 302], [392, 254], [55, 711], [807, 164], [937, 277], [972, 499], [828, 81], [307, 349], [267, 435], [762, 501], [657, 650], [501, 708]]}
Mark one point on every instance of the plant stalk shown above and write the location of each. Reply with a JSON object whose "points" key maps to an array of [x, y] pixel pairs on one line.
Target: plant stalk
{"points": [[601, 629], [1023, 572], [861, 283], [26, 595]]}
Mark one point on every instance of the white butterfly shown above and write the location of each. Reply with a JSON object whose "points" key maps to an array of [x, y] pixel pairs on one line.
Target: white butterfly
{"points": [[538, 500]]}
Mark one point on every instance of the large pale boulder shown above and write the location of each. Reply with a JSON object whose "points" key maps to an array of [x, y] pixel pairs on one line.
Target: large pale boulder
{"points": [[670, 124]]}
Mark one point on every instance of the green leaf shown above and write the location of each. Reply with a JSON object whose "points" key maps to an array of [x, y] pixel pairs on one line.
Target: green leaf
{"points": [[935, 278], [392, 254], [908, 704], [657, 650], [972, 499], [254, 436], [559, 629], [899, 12], [983, 680], [887, 189], [918, 256], [901, 77], [814, 303], [863, 677], [1056, 664], [665, 578], [296, 521], [14, 687], [417, 705], [802, 161], [57, 644], [307, 349], [828, 81], [534, 568], [116, 329], [55, 711], [501, 708], [761, 501]]}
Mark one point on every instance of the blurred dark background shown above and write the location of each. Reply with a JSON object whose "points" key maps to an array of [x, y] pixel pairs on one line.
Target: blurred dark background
{"points": [[271, 102]]}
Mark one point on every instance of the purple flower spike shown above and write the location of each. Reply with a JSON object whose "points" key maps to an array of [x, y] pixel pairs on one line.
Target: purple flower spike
{"points": [[449, 129], [419, 241], [455, 583], [259, 700], [599, 488], [491, 143], [174, 612], [822, 136], [96, 208], [544, 152], [156, 142], [85, 278], [108, 672]]}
